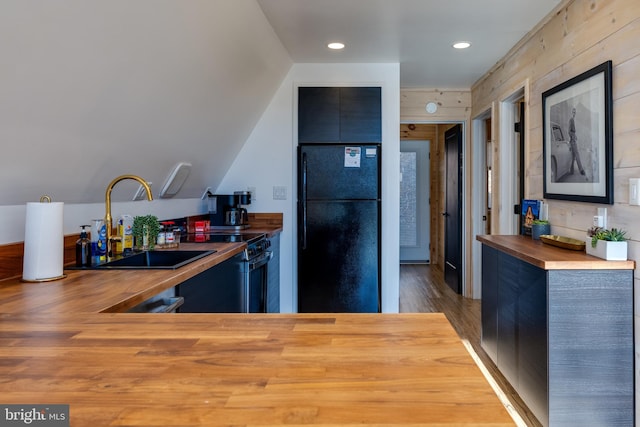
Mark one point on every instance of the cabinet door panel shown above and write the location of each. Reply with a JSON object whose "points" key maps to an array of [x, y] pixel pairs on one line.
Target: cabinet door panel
{"points": [[360, 114], [318, 114], [532, 339], [219, 289], [591, 347], [490, 301], [508, 270], [273, 281]]}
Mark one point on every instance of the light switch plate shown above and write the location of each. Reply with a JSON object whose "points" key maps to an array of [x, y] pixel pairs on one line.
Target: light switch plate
{"points": [[279, 192]]}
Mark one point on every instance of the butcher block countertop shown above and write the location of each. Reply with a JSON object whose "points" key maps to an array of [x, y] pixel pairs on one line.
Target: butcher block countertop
{"points": [[70, 342], [550, 257], [111, 291], [94, 291], [238, 369]]}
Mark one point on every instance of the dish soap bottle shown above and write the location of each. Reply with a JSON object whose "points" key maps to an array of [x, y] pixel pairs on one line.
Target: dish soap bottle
{"points": [[83, 249]]}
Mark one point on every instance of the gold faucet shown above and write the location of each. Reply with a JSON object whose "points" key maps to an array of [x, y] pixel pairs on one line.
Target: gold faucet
{"points": [[107, 202]]}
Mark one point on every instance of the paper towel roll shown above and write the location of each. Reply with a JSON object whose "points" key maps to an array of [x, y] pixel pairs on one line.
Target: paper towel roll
{"points": [[43, 242]]}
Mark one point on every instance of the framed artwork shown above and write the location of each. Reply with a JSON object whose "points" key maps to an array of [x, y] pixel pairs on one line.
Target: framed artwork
{"points": [[577, 145]]}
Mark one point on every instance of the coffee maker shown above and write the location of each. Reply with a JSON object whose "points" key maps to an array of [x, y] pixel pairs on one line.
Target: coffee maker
{"points": [[226, 211]]}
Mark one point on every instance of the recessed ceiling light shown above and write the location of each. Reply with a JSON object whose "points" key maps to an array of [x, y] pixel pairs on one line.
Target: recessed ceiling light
{"points": [[461, 45], [336, 45]]}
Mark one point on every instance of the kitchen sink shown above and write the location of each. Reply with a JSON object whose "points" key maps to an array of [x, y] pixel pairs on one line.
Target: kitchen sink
{"points": [[163, 259]]}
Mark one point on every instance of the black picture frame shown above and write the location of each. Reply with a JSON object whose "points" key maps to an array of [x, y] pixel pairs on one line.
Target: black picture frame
{"points": [[577, 117]]}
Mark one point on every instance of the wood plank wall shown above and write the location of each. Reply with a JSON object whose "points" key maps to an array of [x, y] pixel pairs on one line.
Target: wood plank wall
{"points": [[578, 36], [581, 35]]}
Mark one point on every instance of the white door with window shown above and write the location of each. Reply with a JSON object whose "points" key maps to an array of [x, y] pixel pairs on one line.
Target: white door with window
{"points": [[414, 202]]}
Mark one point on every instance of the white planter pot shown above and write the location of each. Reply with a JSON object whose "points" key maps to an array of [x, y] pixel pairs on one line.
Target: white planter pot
{"points": [[611, 251]]}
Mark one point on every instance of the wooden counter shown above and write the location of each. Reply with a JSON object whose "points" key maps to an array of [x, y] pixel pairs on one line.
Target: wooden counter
{"points": [[61, 343], [235, 369], [550, 257], [93, 291], [112, 291]]}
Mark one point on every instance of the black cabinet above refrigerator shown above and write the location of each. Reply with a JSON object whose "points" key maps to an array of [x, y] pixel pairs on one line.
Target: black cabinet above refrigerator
{"points": [[339, 114]]}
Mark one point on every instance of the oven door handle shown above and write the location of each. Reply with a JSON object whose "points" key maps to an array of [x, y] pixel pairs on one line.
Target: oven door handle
{"points": [[254, 264]]}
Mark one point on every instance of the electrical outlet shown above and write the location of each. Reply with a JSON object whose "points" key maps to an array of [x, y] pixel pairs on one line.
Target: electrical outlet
{"points": [[252, 190], [598, 221], [207, 192], [279, 193], [602, 212]]}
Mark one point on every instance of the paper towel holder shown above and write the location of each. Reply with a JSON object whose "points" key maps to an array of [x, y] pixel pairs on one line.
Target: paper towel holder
{"points": [[44, 199], [48, 279]]}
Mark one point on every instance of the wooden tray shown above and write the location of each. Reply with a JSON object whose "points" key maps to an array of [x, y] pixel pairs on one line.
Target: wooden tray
{"points": [[563, 242]]}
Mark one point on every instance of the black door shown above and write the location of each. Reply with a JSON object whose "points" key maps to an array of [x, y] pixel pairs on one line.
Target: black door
{"points": [[519, 129], [453, 209]]}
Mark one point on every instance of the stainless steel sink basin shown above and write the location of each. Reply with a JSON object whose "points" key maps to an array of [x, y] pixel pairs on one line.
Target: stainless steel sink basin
{"points": [[164, 259]]}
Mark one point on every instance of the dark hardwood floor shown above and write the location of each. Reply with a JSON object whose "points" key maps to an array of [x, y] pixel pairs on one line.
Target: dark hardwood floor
{"points": [[422, 290]]}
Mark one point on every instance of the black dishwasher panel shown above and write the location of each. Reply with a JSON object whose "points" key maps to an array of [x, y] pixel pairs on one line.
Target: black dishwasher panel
{"points": [[219, 289]]}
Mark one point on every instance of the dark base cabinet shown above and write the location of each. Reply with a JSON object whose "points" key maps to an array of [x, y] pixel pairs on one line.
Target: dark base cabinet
{"points": [[562, 338], [219, 289], [273, 277]]}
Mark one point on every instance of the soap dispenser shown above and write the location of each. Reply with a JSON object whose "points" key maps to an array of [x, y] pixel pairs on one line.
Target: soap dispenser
{"points": [[83, 249]]}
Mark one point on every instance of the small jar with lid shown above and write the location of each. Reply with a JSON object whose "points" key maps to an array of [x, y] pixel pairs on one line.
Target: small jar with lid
{"points": [[161, 236]]}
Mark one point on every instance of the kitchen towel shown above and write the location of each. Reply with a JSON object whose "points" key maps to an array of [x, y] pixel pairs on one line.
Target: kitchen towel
{"points": [[43, 242]]}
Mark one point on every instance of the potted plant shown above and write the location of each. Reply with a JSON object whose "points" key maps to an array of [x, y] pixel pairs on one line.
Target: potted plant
{"points": [[609, 244], [540, 227], [145, 231]]}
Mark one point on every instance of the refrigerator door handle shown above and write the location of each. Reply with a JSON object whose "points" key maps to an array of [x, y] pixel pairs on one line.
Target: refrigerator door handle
{"points": [[304, 201]]}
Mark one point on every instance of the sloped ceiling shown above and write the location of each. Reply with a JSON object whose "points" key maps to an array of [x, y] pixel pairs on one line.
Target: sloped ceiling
{"points": [[90, 90]]}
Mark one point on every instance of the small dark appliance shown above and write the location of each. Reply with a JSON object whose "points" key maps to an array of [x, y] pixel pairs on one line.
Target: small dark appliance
{"points": [[226, 211]]}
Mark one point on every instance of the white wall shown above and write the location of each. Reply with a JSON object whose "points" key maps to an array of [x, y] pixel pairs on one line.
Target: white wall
{"points": [[12, 218], [90, 90], [268, 160]]}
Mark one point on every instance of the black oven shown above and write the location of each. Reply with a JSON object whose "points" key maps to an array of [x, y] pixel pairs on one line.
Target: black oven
{"points": [[256, 259], [238, 285]]}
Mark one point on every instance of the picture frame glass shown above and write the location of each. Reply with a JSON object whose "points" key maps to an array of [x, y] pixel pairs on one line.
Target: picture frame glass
{"points": [[577, 139]]}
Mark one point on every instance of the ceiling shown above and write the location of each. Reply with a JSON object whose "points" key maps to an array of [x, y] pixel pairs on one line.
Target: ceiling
{"points": [[416, 33]]}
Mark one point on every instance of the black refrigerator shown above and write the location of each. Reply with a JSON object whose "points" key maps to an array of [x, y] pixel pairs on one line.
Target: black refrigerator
{"points": [[339, 227]]}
